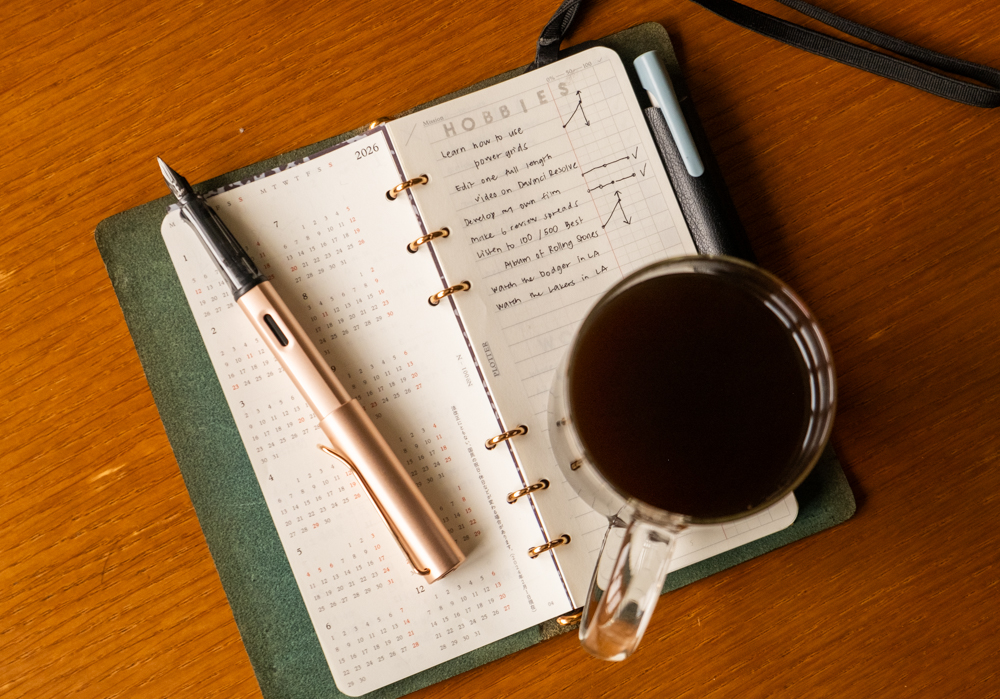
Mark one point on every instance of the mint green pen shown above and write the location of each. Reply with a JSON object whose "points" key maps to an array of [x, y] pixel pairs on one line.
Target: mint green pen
{"points": [[661, 93]]}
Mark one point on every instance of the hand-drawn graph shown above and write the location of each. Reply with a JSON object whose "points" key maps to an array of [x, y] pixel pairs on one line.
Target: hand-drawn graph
{"points": [[624, 157], [608, 184], [618, 207], [618, 179], [579, 108]]}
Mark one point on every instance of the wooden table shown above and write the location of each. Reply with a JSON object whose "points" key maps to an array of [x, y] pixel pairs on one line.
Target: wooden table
{"points": [[879, 203]]}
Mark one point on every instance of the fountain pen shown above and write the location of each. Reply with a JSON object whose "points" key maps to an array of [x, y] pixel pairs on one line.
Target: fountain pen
{"points": [[354, 439]]}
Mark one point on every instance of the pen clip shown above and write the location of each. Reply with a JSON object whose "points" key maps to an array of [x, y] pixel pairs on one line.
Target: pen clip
{"points": [[411, 558]]}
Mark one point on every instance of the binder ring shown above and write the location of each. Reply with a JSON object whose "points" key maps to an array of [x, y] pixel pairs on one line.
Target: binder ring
{"points": [[440, 233], [536, 551], [399, 188], [377, 122], [540, 485], [492, 442], [435, 299], [571, 618]]}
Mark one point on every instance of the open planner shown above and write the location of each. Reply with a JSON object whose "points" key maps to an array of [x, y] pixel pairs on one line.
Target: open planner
{"points": [[443, 262]]}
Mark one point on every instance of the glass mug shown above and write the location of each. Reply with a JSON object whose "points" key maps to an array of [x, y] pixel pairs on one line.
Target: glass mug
{"points": [[697, 390]]}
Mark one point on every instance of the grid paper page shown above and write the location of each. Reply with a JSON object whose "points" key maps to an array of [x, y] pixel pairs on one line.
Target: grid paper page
{"points": [[552, 190]]}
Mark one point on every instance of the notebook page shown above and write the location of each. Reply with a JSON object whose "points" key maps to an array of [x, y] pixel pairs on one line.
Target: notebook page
{"points": [[334, 248], [553, 191]]}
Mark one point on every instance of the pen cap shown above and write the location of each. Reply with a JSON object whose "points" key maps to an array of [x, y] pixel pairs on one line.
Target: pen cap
{"points": [[661, 93], [354, 438]]}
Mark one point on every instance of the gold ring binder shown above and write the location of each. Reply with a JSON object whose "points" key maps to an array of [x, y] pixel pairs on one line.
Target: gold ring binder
{"points": [[536, 551], [540, 485], [435, 299], [492, 442], [411, 558], [571, 618], [377, 122], [399, 188], [440, 233]]}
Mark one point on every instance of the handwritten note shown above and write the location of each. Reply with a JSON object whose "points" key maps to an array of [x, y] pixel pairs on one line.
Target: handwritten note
{"points": [[553, 191]]}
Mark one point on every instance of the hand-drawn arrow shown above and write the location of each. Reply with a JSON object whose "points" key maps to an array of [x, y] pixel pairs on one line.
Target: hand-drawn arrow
{"points": [[618, 205], [579, 108]]}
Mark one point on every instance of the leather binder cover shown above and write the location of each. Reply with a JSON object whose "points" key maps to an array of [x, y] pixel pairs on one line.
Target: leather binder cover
{"points": [[244, 543]]}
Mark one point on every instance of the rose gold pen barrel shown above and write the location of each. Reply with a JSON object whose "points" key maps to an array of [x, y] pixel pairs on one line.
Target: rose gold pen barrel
{"points": [[354, 438]]}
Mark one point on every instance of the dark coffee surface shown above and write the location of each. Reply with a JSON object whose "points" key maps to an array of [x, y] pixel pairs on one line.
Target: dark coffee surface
{"points": [[690, 395]]}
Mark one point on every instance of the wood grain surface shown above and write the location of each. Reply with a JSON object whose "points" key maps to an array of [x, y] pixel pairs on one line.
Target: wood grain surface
{"points": [[880, 204]]}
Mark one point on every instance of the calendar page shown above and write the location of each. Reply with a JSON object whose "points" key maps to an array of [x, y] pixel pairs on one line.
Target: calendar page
{"points": [[334, 246], [553, 191]]}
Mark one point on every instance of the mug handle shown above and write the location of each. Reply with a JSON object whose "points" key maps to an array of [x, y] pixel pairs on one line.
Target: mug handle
{"points": [[627, 581]]}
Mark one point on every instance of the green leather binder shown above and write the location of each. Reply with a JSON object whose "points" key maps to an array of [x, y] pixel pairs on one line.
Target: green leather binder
{"points": [[244, 543]]}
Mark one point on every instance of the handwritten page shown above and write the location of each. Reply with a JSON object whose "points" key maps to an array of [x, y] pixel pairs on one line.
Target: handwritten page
{"points": [[552, 190], [334, 247]]}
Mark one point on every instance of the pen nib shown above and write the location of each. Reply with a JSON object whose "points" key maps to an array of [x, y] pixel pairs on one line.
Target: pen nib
{"points": [[176, 183]]}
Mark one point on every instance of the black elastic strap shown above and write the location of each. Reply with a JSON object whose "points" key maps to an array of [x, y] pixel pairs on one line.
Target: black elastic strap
{"points": [[919, 76], [553, 33], [873, 61]]}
